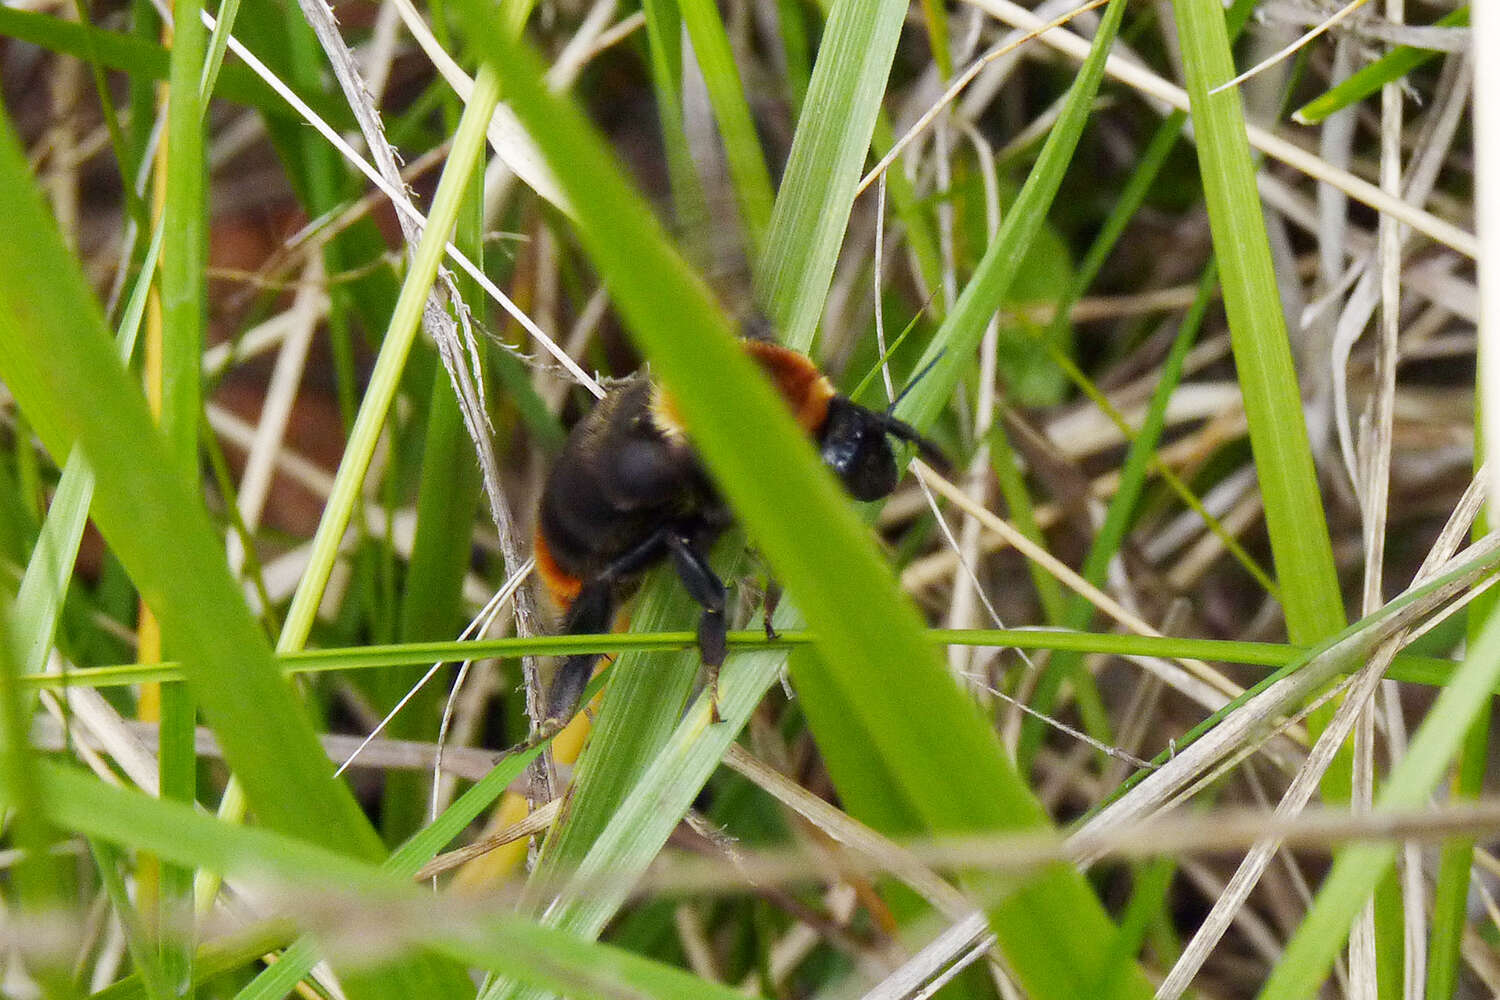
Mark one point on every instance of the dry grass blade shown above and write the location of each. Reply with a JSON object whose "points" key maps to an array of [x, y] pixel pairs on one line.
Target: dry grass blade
{"points": [[1281, 696], [1305, 783], [1487, 219], [1154, 86], [1322, 828], [1338, 16], [535, 822], [881, 850], [1197, 679]]}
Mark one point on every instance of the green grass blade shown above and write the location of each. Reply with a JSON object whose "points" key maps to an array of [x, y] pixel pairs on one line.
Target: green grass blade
{"points": [[1429, 670], [125, 160], [642, 706], [565, 966], [431, 606], [214, 958], [144, 60], [1300, 544], [184, 297], [1147, 168], [152, 978], [935, 16], [641, 710], [1392, 66], [39, 879], [1450, 897], [39, 601], [747, 162], [218, 44], [794, 45], [1117, 519], [1341, 653], [952, 348], [182, 835], [448, 495], [381, 392], [822, 170], [912, 214], [297, 961], [54, 351], [664, 29]]}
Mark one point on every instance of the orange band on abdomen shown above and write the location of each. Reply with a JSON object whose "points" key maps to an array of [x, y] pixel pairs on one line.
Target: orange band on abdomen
{"points": [[561, 585], [806, 390]]}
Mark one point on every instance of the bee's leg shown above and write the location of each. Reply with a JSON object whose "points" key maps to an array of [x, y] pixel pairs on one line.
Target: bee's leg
{"points": [[708, 590], [590, 612], [773, 598], [593, 611], [772, 592]]}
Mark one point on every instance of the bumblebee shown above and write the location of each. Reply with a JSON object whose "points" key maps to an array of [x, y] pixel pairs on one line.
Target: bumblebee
{"points": [[628, 492]]}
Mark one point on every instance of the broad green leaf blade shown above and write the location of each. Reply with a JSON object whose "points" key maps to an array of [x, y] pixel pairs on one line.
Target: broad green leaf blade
{"points": [[944, 762], [54, 351]]}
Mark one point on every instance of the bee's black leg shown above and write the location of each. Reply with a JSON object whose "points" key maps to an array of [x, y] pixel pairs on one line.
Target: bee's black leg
{"points": [[773, 598], [708, 590], [590, 612], [593, 611]]}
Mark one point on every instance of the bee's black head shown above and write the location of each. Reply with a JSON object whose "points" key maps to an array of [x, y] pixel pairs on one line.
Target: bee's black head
{"points": [[855, 446]]}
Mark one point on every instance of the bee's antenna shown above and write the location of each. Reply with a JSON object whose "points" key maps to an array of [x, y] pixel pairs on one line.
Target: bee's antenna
{"points": [[914, 380]]}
